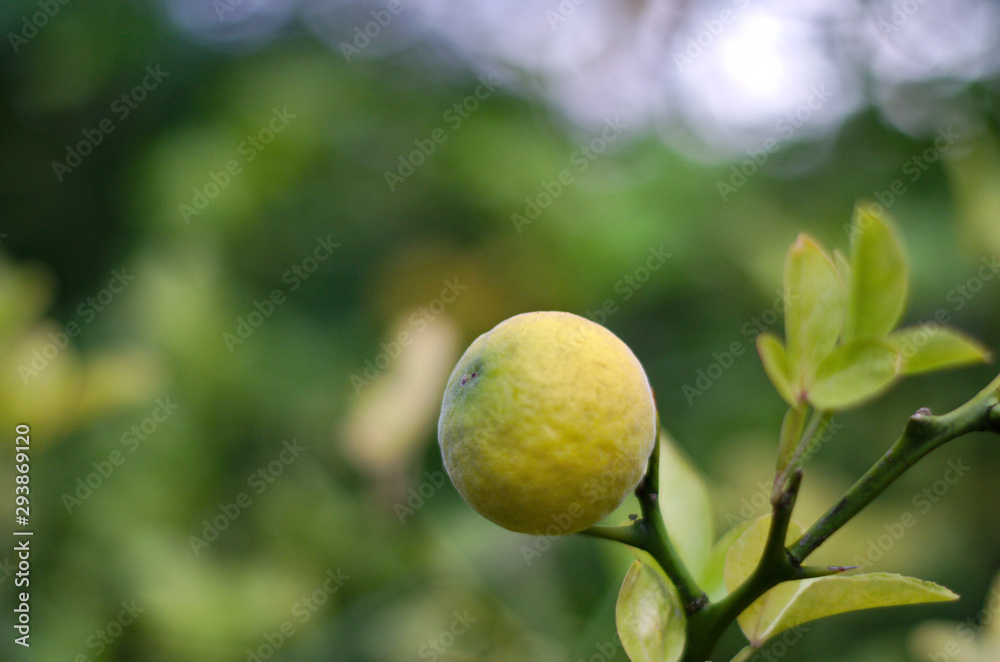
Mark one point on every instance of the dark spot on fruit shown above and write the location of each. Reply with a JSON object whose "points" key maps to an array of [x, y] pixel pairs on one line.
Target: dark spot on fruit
{"points": [[463, 380]]}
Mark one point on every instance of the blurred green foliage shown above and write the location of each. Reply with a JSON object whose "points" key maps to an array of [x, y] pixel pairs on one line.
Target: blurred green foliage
{"points": [[356, 548]]}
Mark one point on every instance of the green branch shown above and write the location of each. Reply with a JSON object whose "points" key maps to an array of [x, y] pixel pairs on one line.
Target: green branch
{"points": [[707, 621], [649, 533], [923, 433], [775, 567]]}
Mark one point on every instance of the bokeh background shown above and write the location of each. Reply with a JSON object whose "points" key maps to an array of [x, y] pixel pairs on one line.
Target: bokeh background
{"points": [[243, 242]]}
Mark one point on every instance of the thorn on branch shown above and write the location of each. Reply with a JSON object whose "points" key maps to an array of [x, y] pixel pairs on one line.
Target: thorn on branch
{"points": [[994, 417]]}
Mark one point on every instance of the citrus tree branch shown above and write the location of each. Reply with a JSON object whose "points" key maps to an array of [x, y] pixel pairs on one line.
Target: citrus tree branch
{"points": [[775, 566], [922, 433], [707, 620], [819, 419], [649, 533]]}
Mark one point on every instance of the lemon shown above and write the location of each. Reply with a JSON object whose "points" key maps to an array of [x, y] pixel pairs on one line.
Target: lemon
{"points": [[547, 423]]}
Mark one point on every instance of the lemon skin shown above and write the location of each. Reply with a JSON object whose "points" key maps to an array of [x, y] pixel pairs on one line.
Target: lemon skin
{"points": [[547, 423]]}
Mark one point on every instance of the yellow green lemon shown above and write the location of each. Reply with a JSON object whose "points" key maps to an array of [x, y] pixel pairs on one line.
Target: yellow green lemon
{"points": [[547, 423]]}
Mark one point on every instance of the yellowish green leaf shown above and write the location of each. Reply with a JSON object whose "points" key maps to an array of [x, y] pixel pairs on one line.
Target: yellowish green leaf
{"points": [[854, 372], [711, 577], [814, 314], [650, 620], [878, 277], [794, 603], [933, 347], [685, 504], [741, 560], [839, 594], [775, 360]]}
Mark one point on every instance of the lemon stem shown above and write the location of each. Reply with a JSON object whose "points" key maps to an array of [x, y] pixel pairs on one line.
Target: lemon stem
{"points": [[649, 533]]}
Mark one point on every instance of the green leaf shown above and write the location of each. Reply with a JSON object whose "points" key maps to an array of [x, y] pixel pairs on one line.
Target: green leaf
{"points": [[685, 504], [814, 314], [775, 360], [745, 654], [933, 347], [650, 619], [878, 277], [843, 269], [853, 372], [791, 433], [839, 594], [797, 602], [711, 577], [741, 560]]}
